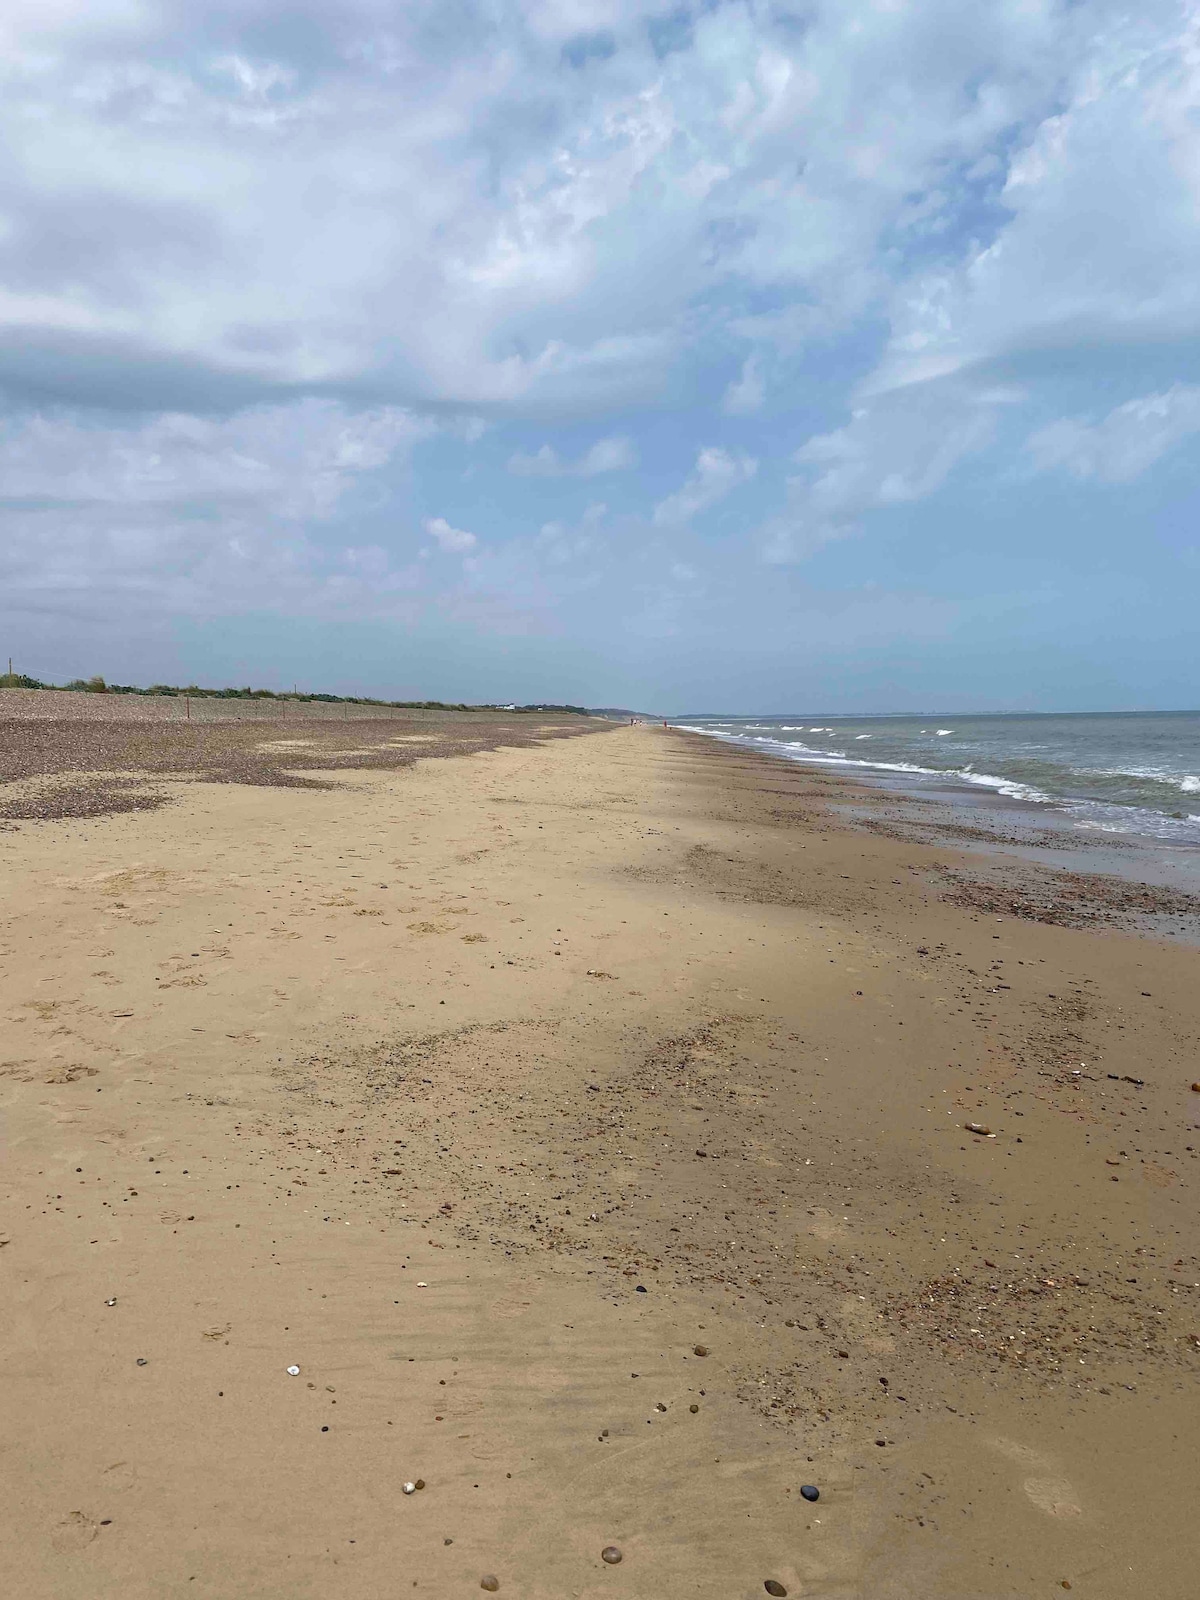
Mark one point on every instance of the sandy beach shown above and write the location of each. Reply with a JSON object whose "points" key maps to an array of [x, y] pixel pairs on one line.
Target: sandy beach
{"points": [[589, 1121]]}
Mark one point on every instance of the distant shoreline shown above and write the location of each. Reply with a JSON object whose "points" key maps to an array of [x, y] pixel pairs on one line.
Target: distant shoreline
{"points": [[116, 705], [920, 712]]}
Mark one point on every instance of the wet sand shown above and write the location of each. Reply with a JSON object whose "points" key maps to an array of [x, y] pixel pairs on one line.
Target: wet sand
{"points": [[485, 1091]]}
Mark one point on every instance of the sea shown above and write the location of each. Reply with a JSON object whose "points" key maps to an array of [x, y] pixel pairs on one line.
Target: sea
{"points": [[1130, 775]]}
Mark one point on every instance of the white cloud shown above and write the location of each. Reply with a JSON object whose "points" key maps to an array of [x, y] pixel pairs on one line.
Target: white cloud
{"points": [[543, 463], [453, 541], [253, 246], [196, 516], [294, 461], [894, 449], [366, 200], [747, 393], [370, 198], [1122, 445], [1101, 200], [716, 474], [606, 455]]}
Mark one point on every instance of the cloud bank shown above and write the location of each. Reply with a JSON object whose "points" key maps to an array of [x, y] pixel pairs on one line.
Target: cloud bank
{"points": [[291, 294]]}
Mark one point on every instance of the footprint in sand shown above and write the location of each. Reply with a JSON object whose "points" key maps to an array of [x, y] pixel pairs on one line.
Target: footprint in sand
{"points": [[74, 1532], [1049, 1492], [1054, 1496], [1161, 1177], [825, 1226], [506, 1309], [72, 1074]]}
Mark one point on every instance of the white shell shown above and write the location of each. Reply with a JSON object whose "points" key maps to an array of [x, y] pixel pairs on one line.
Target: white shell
{"points": [[410, 1488], [293, 1372]]}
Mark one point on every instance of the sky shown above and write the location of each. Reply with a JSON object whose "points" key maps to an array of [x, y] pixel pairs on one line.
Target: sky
{"points": [[722, 355]]}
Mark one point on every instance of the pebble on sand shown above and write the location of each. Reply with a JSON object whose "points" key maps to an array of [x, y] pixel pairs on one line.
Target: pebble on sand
{"points": [[774, 1587], [983, 1131], [489, 1583], [699, 1349], [810, 1491], [611, 1554]]}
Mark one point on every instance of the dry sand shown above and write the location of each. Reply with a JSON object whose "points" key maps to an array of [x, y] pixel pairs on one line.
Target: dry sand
{"points": [[485, 1091]]}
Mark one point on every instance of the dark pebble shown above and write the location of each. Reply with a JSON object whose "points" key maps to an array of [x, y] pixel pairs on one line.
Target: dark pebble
{"points": [[699, 1349], [641, 1288], [489, 1583], [774, 1588], [810, 1491], [611, 1554]]}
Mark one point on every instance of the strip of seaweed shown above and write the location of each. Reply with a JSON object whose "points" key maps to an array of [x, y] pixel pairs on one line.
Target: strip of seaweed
{"points": [[1068, 899]]}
